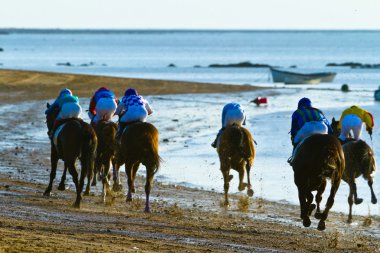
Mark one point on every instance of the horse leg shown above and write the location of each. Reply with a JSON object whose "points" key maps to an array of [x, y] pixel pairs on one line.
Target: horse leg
{"points": [[373, 197], [241, 170], [318, 199], [105, 183], [248, 169], [96, 172], [148, 187], [53, 172], [350, 202], [304, 211], [116, 178], [89, 175], [128, 172], [309, 204], [330, 201], [74, 174], [134, 171], [225, 168], [62, 185], [357, 200]]}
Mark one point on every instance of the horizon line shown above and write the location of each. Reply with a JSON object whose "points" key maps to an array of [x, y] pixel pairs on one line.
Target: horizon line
{"points": [[121, 30]]}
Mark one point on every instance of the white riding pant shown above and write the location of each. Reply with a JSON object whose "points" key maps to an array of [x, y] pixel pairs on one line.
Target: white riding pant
{"points": [[69, 110], [105, 109], [234, 116], [310, 128], [135, 113], [351, 122]]}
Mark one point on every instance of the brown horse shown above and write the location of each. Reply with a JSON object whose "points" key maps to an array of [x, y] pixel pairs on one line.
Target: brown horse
{"points": [[236, 151], [76, 140], [106, 149], [139, 144], [359, 161], [317, 158]]}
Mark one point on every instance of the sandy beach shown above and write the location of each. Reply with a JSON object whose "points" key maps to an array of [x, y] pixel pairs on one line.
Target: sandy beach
{"points": [[182, 219]]}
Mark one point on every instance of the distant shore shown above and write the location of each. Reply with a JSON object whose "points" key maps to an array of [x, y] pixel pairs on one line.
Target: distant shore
{"points": [[33, 85]]}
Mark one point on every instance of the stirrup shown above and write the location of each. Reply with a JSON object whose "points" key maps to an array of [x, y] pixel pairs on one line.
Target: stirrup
{"points": [[290, 160]]}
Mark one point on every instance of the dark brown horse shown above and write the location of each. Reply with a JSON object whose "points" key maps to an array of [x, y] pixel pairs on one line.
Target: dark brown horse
{"points": [[106, 133], [317, 158], [76, 140], [139, 144], [360, 161], [236, 151]]}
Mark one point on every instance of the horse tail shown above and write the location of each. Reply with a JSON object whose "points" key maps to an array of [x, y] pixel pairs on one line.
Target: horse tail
{"points": [[246, 146], [156, 159], [89, 145]]}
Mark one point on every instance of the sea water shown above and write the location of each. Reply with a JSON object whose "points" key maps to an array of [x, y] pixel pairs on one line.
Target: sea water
{"points": [[147, 54]]}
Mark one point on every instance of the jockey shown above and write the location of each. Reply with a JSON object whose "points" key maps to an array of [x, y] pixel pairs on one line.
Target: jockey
{"points": [[131, 109], [306, 121], [353, 119], [102, 106], [68, 108], [232, 114]]}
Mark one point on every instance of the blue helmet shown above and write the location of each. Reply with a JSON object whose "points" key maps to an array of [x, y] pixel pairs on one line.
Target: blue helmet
{"points": [[130, 92], [304, 102], [65, 91]]}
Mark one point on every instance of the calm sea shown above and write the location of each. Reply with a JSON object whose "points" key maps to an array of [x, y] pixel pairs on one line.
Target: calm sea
{"points": [[147, 54]]}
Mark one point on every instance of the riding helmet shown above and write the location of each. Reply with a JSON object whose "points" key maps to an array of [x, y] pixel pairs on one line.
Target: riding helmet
{"points": [[304, 102], [65, 91], [130, 92]]}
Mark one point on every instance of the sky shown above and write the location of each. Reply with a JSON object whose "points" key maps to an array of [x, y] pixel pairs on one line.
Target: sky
{"points": [[191, 14]]}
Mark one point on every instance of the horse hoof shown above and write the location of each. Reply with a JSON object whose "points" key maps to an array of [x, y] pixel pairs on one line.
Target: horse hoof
{"points": [[306, 223], [129, 199], [47, 194], [318, 215], [321, 226], [76, 205], [86, 193], [117, 187], [250, 192], [358, 201], [62, 187], [374, 201], [349, 220]]}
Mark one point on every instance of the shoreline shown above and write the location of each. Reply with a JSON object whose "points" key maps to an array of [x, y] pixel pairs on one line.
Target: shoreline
{"points": [[37, 85]]}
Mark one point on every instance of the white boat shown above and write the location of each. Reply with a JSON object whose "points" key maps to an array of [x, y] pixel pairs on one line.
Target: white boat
{"points": [[287, 77]]}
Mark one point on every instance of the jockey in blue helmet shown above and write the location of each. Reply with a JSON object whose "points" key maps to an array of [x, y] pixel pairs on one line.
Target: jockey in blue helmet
{"points": [[132, 108], [307, 120]]}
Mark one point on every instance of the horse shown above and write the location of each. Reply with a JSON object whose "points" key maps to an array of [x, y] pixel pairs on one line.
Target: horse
{"points": [[236, 150], [139, 145], [106, 149], [76, 140], [318, 157], [360, 161]]}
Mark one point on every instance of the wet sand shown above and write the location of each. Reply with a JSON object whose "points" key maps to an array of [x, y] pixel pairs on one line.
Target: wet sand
{"points": [[182, 219]]}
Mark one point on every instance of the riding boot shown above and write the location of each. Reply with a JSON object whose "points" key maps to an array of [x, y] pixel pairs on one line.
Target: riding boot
{"points": [[215, 142], [52, 130], [290, 159]]}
